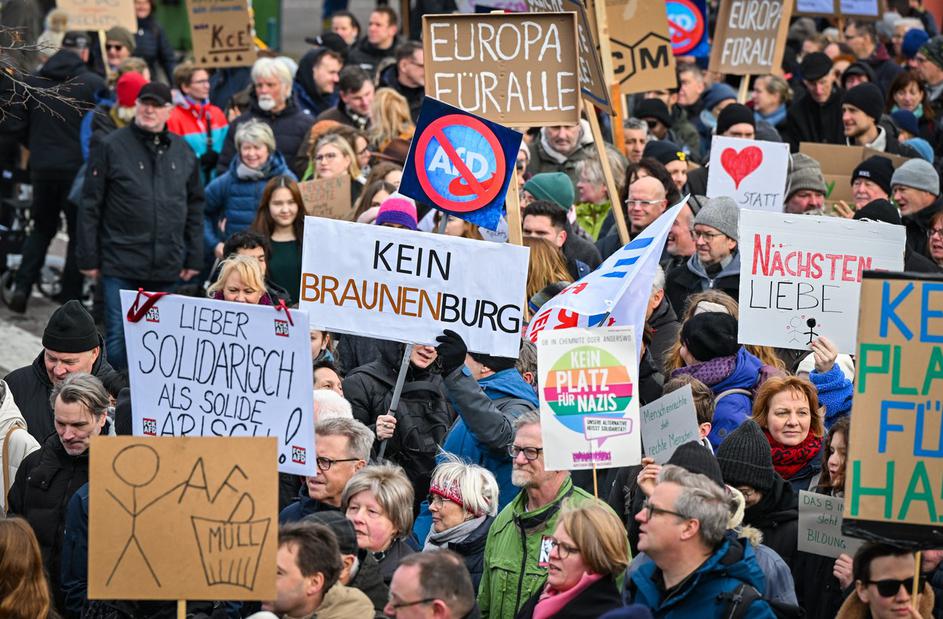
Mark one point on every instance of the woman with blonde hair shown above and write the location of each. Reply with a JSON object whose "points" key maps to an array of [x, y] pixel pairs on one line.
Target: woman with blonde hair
{"points": [[240, 281], [24, 592], [546, 266], [389, 119], [334, 157]]}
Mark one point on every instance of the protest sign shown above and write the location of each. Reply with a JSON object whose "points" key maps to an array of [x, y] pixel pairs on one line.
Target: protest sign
{"points": [[668, 422], [894, 471], [513, 69], [820, 519], [800, 276], [752, 172], [750, 37], [222, 34], [837, 162], [687, 23], [182, 518], [860, 8], [327, 197], [642, 57], [589, 407], [100, 14], [201, 367], [409, 286], [460, 163], [816, 8]]}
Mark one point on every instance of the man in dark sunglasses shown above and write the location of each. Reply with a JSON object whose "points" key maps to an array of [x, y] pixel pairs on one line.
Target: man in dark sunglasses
{"points": [[884, 581]]}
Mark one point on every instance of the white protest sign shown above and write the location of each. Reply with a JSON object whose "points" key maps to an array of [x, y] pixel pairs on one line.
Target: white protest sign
{"points": [[800, 276], [820, 518], [668, 422], [202, 367], [752, 172], [589, 394], [860, 8], [410, 286]]}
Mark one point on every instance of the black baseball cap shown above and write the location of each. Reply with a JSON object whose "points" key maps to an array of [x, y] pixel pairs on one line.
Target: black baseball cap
{"points": [[156, 92], [815, 66], [76, 39]]}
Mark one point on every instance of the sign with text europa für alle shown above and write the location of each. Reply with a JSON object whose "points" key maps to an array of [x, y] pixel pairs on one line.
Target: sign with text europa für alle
{"points": [[750, 36]]}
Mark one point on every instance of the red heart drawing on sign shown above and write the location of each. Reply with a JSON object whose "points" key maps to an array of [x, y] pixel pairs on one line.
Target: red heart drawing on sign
{"points": [[741, 165]]}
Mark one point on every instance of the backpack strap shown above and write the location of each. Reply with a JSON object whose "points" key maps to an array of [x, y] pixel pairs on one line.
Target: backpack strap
{"points": [[739, 601], [6, 468], [723, 394]]}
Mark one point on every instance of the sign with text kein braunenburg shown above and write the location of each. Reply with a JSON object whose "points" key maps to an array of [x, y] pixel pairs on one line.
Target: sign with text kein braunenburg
{"points": [[750, 36]]}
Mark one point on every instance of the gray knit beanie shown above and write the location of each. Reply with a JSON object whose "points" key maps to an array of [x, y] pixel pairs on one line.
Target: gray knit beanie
{"points": [[805, 174], [746, 459], [721, 213], [918, 174]]}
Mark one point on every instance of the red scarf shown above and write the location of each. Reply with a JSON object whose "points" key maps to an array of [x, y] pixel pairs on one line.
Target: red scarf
{"points": [[789, 460]]}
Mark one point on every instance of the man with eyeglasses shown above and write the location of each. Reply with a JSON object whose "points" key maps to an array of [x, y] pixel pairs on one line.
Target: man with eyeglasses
{"points": [[862, 37], [916, 190], [407, 75], [884, 580], [815, 113], [928, 63], [431, 584], [520, 539], [716, 261], [308, 565]]}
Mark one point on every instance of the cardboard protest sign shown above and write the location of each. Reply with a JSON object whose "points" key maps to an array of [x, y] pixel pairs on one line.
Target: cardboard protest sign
{"points": [[100, 14], [893, 469], [642, 57], [202, 367], [592, 80], [513, 69], [222, 34], [328, 197], [410, 286], [687, 23], [750, 36], [182, 518], [667, 423], [837, 162], [820, 519], [800, 276], [460, 163], [589, 406], [752, 172]]}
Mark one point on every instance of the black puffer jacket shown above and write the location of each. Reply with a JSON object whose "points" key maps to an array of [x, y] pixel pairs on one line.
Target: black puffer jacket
{"points": [[368, 56], [141, 214], [777, 517], [390, 79], [472, 549], [151, 44], [807, 121], [917, 226]]}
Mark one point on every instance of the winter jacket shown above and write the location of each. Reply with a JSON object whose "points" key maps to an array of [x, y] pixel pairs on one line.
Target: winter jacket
{"points": [[577, 249], [389, 559], [389, 78], [543, 158], [884, 67], [515, 552], [152, 44], [15, 441], [684, 133], [344, 116], [817, 589], [917, 225], [309, 98], [141, 213], [368, 56], [342, 602], [693, 278], [666, 328], [699, 596], [237, 200], [202, 125], [290, 127], [835, 393], [734, 408], [369, 580], [74, 566], [472, 549], [777, 517], [892, 145], [598, 598], [854, 608], [31, 388], [302, 507], [808, 121]]}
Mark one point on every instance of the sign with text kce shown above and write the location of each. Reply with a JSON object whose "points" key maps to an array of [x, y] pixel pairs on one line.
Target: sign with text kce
{"points": [[202, 367], [222, 34], [460, 163], [409, 286]]}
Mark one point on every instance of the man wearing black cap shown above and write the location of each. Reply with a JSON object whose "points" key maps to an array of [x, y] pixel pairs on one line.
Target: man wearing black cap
{"points": [[871, 180], [862, 107], [71, 344], [815, 115], [681, 128], [50, 129], [141, 213], [734, 121], [655, 113]]}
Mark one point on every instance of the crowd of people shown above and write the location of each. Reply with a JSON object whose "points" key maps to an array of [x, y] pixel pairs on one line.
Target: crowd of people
{"points": [[176, 178]]}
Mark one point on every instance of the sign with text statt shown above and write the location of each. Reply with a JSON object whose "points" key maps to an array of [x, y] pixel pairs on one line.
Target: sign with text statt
{"points": [[752, 172], [514, 69], [589, 398], [222, 34], [100, 14], [800, 276], [820, 520], [409, 286], [750, 36], [202, 367], [894, 467]]}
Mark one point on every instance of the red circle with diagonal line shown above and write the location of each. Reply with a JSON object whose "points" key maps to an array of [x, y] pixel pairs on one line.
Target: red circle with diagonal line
{"points": [[484, 194], [682, 39]]}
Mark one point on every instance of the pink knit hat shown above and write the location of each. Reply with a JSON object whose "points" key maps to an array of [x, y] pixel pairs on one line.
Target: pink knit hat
{"points": [[397, 209]]}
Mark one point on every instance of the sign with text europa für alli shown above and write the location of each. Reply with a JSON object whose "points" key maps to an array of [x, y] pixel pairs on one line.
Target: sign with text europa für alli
{"points": [[750, 36], [202, 367]]}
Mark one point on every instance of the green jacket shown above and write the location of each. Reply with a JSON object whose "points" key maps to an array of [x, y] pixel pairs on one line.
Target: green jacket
{"points": [[514, 568]]}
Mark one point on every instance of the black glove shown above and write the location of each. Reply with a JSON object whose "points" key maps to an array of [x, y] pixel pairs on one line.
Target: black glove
{"points": [[451, 351], [209, 159]]}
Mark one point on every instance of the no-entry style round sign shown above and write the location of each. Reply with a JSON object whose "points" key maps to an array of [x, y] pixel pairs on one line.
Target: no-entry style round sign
{"points": [[686, 23], [464, 178]]}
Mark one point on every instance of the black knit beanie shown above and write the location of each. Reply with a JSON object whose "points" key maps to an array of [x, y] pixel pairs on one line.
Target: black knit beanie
{"points": [[71, 329], [710, 335], [879, 210], [734, 114], [745, 458], [868, 98], [495, 364], [876, 169], [694, 457]]}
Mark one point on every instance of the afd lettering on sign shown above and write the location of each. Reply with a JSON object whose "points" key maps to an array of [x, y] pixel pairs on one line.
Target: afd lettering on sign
{"points": [[686, 22]]}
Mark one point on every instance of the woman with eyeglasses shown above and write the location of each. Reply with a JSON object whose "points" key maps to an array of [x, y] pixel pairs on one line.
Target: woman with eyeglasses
{"points": [[463, 501], [589, 550]]}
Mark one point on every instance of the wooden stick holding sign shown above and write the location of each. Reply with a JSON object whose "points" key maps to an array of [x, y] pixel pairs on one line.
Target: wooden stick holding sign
{"points": [[607, 173], [513, 206], [181, 609], [397, 392], [744, 90]]}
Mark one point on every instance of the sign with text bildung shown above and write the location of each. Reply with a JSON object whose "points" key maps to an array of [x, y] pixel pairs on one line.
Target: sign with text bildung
{"points": [[203, 367], [820, 520], [667, 423], [222, 33], [750, 37], [752, 172]]}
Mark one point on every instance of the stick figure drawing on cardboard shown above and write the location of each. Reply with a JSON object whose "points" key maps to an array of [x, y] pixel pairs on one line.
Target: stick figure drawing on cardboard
{"points": [[136, 466]]}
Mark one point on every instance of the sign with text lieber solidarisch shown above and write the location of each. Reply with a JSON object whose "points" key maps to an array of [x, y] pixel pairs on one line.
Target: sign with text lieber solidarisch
{"points": [[752, 172], [820, 519], [182, 518], [202, 367], [642, 57], [800, 276], [750, 36], [589, 399], [513, 69], [407, 286], [222, 35], [894, 469], [667, 423], [100, 14]]}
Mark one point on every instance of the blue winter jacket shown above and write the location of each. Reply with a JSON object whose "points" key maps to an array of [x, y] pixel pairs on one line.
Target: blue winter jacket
{"points": [[235, 200], [835, 392]]}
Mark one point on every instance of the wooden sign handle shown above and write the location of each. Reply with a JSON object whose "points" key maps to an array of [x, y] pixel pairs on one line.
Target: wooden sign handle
{"points": [[744, 91], [513, 205], [607, 173], [181, 609]]}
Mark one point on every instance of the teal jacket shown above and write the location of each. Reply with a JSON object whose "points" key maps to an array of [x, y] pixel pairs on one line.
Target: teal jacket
{"points": [[515, 555]]}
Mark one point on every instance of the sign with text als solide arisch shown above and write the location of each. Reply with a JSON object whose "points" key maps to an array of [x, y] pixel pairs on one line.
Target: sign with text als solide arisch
{"points": [[514, 69], [410, 286], [894, 468], [589, 406], [221, 31], [800, 276], [202, 367], [752, 172], [750, 37]]}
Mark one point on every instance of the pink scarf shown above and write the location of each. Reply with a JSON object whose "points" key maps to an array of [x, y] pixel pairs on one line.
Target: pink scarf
{"points": [[552, 601]]}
